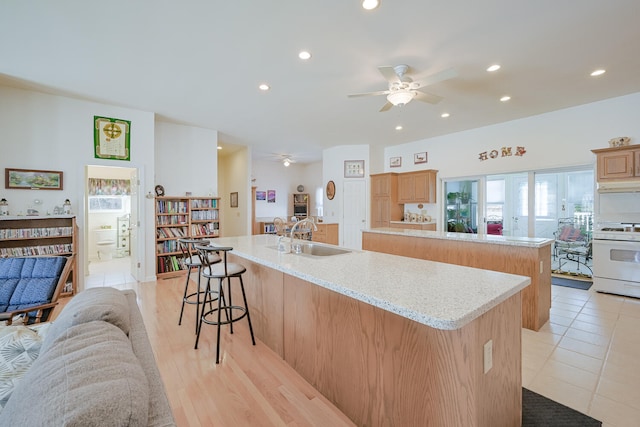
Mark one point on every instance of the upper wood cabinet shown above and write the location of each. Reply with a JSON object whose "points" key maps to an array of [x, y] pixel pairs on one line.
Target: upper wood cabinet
{"points": [[618, 163], [417, 187]]}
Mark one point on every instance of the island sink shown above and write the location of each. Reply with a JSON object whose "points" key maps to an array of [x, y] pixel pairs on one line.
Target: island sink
{"points": [[313, 249]]}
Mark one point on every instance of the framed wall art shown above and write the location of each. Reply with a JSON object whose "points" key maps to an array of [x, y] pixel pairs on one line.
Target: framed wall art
{"points": [[354, 168], [420, 158], [395, 162], [233, 200], [32, 179], [111, 138]]}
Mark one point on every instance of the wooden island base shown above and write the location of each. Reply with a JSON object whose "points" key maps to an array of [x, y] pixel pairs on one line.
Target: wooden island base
{"points": [[380, 368]]}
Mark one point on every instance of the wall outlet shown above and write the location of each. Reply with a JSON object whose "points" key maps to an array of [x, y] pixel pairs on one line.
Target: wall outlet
{"points": [[488, 356]]}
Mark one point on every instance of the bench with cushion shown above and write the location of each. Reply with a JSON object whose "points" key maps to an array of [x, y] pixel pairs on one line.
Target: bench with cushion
{"points": [[30, 286]]}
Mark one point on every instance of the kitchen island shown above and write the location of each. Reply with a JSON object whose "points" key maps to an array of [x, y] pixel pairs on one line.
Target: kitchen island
{"points": [[525, 256], [390, 340]]}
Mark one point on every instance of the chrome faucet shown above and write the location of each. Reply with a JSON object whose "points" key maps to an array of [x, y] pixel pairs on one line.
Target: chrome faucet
{"points": [[298, 248]]}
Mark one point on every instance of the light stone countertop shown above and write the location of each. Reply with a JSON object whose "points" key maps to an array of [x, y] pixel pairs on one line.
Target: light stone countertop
{"points": [[531, 242], [442, 296]]}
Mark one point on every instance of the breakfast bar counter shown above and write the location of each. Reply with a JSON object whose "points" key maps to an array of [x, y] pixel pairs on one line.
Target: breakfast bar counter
{"points": [[525, 256], [390, 340]]}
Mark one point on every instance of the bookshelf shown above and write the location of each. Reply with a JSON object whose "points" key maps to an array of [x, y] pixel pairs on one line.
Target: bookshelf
{"points": [[41, 236], [178, 217]]}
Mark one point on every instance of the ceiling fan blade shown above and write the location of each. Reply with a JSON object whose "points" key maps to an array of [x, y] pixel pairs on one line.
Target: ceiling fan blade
{"points": [[380, 92], [389, 73], [386, 107], [427, 97], [439, 77]]}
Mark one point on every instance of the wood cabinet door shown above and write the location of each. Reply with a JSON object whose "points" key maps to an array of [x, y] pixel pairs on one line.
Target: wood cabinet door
{"points": [[421, 187], [616, 165], [406, 188], [380, 212], [381, 185]]}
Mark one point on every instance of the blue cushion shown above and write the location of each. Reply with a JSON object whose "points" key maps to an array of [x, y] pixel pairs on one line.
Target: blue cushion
{"points": [[25, 282]]}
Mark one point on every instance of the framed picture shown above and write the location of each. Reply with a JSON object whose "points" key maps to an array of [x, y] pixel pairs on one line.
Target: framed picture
{"points": [[354, 168], [261, 195], [395, 162], [420, 158], [271, 196], [111, 138], [233, 200], [32, 179]]}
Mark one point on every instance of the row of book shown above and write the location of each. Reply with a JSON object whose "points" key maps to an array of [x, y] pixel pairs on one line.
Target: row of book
{"points": [[26, 233], [61, 249], [211, 229], [171, 219], [204, 215], [168, 246], [171, 206], [170, 232], [167, 264], [204, 203]]}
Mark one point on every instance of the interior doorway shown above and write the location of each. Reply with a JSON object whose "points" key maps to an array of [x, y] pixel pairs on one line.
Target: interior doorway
{"points": [[110, 201]]}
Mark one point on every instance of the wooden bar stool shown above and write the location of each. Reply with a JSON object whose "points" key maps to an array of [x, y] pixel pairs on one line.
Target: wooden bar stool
{"points": [[190, 260], [221, 271]]}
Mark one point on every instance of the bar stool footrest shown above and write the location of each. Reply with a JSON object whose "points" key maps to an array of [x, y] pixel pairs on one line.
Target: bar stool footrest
{"points": [[225, 310]]}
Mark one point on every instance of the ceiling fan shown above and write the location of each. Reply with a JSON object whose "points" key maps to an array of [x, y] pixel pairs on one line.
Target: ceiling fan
{"points": [[286, 159], [402, 88]]}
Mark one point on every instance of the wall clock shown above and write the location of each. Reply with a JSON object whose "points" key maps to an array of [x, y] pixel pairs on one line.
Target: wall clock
{"points": [[331, 190], [159, 190], [300, 188]]}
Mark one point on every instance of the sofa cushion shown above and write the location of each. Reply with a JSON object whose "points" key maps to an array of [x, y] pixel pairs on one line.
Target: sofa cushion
{"points": [[88, 377], [107, 304]]}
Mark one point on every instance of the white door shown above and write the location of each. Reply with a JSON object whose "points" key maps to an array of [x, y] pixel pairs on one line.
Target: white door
{"points": [[354, 208], [134, 224]]}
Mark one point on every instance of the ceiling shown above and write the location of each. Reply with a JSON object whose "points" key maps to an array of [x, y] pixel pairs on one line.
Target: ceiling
{"points": [[200, 63]]}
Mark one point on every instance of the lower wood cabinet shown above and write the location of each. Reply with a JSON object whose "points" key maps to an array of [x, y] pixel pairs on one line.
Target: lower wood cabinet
{"points": [[326, 233]]}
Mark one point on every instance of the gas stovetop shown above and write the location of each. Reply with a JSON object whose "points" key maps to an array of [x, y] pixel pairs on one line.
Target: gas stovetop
{"points": [[623, 232]]}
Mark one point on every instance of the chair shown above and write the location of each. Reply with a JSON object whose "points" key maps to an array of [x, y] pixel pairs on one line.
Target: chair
{"points": [[280, 226], [494, 225], [567, 236], [30, 286], [221, 271], [190, 259]]}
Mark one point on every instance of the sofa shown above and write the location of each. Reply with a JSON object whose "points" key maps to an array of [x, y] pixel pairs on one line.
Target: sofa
{"points": [[92, 366]]}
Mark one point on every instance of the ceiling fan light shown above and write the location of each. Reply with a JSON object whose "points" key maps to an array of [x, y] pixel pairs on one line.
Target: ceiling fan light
{"points": [[370, 4], [286, 162], [400, 97]]}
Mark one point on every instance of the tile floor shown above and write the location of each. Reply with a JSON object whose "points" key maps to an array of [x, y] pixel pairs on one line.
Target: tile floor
{"points": [[586, 357]]}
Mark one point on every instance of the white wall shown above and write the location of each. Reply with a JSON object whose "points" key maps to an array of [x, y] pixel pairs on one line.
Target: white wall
{"points": [[561, 138], [273, 175], [186, 159], [233, 172], [41, 131]]}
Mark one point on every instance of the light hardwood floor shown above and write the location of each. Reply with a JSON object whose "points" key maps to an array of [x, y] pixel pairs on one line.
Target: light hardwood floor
{"points": [[251, 386]]}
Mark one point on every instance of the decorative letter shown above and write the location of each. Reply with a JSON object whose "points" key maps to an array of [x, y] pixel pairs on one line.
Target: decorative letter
{"points": [[483, 156], [506, 151], [493, 154], [520, 151]]}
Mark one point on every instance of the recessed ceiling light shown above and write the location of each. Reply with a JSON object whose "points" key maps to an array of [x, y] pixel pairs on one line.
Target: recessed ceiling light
{"points": [[494, 67], [505, 98], [398, 127], [264, 86], [445, 115], [370, 4], [598, 72], [304, 55]]}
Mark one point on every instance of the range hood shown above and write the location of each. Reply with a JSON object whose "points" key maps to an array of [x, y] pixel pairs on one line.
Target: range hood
{"points": [[619, 187]]}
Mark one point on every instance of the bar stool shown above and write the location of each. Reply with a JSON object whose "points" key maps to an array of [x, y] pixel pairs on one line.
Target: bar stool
{"points": [[224, 270], [190, 259]]}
